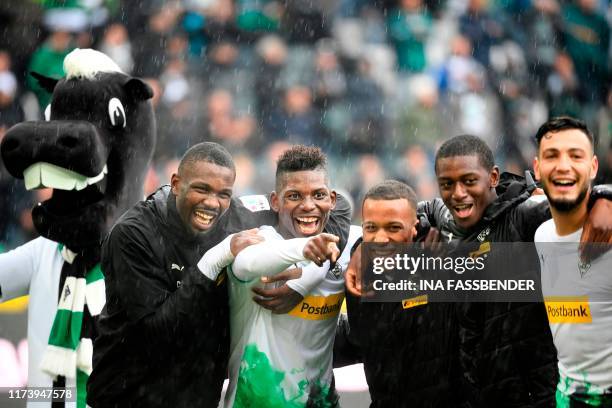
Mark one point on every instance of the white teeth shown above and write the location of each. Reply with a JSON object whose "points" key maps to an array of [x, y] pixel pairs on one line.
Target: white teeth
{"points": [[203, 217], [307, 219], [43, 174]]}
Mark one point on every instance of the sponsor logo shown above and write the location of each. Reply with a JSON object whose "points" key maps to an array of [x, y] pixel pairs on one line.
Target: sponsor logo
{"points": [[483, 234], [414, 302], [568, 310], [484, 249], [319, 307], [178, 268]]}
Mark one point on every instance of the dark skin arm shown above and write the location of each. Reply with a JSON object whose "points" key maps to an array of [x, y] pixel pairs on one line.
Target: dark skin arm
{"points": [[284, 299], [597, 230], [279, 300]]}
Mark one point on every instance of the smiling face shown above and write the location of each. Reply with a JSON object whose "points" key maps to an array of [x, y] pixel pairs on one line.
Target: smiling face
{"points": [[303, 203], [566, 166], [203, 193], [388, 221], [466, 187]]}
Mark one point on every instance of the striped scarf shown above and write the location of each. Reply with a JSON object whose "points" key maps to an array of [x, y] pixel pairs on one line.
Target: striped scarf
{"points": [[69, 350]]}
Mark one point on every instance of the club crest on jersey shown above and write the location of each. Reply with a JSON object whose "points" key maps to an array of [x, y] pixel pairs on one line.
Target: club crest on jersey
{"points": [[336, 271], [583, 267]]}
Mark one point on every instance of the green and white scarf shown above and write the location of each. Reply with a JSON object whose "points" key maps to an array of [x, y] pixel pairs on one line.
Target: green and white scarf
{"points": [[69, 351]]}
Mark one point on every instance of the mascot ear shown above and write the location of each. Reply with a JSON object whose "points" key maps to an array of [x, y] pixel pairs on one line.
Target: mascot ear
{"points": [[138, 89], [46, 83]]}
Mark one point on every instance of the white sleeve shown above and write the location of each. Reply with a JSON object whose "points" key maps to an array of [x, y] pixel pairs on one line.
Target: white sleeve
{"points": [[268, 258], [312, 276], [16, 270], [216, 258]]}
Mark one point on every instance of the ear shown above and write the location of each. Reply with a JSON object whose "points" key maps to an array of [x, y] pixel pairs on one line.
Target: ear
{"points": [[174, 183], [494, 177], [594, 167], [414, 232], [138, 89], [46, 83], [333, 197], [274, 201], [536, 168]]}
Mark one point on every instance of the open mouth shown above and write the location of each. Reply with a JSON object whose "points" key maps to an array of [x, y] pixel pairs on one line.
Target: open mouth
{"points": [[463, 210], [72, 192], [204, 219], [307, 225], [564, 184]]}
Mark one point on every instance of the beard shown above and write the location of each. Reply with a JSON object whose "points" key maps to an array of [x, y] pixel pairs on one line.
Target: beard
{"points": [[567, 205]]}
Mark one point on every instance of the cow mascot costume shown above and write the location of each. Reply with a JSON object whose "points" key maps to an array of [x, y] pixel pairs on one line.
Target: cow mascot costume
{"points": [[93, 150]]}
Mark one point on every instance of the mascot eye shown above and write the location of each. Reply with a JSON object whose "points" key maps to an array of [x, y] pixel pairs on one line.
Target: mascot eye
{"points": [[48, 113], [116, 113]]}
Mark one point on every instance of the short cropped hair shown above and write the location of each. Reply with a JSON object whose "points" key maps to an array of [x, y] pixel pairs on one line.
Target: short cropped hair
{"points": [[560, 123], [209, 152], [392, 190], [300, 158], [466, 145]]}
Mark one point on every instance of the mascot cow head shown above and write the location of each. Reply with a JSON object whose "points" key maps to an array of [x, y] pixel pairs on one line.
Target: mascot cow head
{"points": [[93, 149]]}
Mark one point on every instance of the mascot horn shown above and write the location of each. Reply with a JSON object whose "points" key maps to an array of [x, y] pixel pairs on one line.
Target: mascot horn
{"points": [[93, 150]]}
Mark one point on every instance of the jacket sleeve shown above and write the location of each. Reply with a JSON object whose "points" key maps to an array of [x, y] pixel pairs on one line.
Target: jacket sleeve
{"points": [[16, 270], [137, 281], [339, 222], [529, 216], [268, 258]]}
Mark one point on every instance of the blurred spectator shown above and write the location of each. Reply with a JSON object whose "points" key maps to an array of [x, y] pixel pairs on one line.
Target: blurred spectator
{"points": [[116, 45], [459, 67], [562, 88], [258, 15], [366, 125], [150, 47], [48, 60], [370, 171], [542, 37], [222, 126], [408, 27], [12, 196], [587, 41], [224, 68], [330, 81], [178, 119], [306, 22], [297, 121], [476, 111], [416, 169], [272, 53], [482, 29], [604, 140], [10, 110], [419, 123]]}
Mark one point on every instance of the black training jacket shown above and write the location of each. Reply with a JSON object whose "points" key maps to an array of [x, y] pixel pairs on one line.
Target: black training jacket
{"points": [[164, 332], [507, 352]]}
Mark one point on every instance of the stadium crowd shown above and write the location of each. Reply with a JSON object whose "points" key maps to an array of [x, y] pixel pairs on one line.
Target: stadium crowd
{"points": [[378, 84]]}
